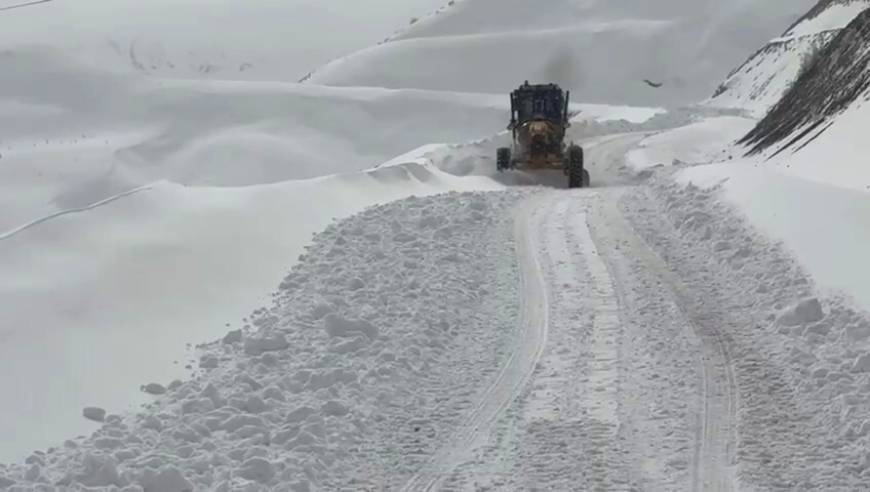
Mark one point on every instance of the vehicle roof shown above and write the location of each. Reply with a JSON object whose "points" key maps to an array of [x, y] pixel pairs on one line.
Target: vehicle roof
{"points": [[538, 87]]}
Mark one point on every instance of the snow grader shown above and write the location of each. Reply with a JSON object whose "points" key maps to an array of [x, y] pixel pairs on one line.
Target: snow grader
{"points": [[539, 118]]}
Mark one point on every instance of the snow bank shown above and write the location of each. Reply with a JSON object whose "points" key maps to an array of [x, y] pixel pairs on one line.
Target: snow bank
{"points": [[345, 373], [800, 357], [823, 226], [631, 114], [705, 141]]}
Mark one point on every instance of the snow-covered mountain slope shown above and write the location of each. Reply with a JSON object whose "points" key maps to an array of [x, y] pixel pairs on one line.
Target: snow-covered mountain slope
{"points": [[602, 50], [762, 80], [252, 40], [815, 129]]}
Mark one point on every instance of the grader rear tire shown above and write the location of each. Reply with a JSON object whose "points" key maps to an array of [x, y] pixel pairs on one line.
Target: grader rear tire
{"points": [[578, 177], [503, 159]]}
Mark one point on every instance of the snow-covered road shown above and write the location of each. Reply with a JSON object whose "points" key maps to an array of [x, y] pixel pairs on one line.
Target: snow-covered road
{"points": [[678, 354], [629, 391]]}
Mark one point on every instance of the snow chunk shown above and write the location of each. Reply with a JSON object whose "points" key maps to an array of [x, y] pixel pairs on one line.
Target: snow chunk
{"points": [[858, 332], [255, 404], [806, 311], [274, 393], [98, 471], [153, 423], [211, 392], [237, 421], [349, 346], [232, 337], [320, 310], [208, 362], [336, 326], [108, 443], [6, 482], [265, 343], [168, 480], [334, 408], [258, 470], [299, 414], [197, 405], [96, 414], [33, 473], [862, 363], [154, 389]]}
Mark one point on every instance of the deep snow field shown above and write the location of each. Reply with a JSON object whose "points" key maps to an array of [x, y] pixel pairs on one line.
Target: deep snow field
{"points": [[214, 277]]}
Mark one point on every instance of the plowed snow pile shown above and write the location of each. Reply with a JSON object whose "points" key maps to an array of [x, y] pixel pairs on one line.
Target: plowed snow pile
{"points": [[801, 362], [373, 345]]}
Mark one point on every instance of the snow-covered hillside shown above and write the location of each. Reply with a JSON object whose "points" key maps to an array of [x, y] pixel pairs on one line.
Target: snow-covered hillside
{"points": [[208, 39], [602, 50], [815, 128], [762, 80]]}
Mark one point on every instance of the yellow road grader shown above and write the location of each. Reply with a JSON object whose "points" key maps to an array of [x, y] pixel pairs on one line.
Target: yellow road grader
{"points": [[539, 119]]}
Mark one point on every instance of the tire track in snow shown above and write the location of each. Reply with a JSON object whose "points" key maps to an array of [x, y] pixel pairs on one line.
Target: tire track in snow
{"points": [[571, 417], [715, 440], [514, 374]]}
